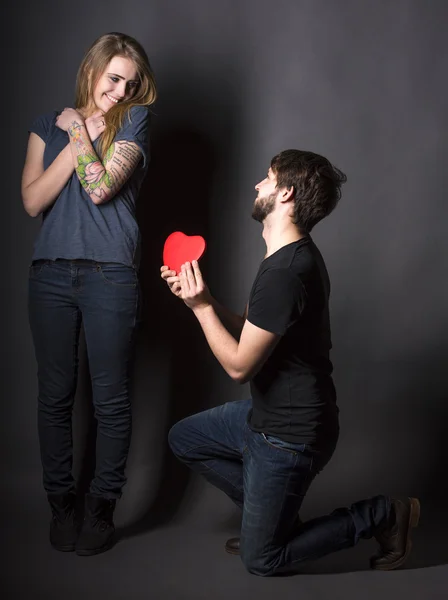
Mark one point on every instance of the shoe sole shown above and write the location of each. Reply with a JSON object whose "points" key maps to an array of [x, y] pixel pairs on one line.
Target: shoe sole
{"points": [[232, 551], [63, 548], [95, 551], [414, 518]]}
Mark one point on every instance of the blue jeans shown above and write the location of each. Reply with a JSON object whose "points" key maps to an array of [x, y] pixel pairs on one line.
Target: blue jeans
{"points": [[268, 479], [105, 297]]}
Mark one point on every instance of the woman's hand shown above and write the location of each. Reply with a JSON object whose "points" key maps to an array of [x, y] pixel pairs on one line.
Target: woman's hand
{"points": [[67, 117], [95, 125]]}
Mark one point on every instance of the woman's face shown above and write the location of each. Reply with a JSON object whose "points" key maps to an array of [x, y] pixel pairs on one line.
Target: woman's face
{"points": [[118, 82]]}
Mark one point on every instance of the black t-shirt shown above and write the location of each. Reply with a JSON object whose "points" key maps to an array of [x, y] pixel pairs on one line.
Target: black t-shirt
{"points": [[293, 394]]}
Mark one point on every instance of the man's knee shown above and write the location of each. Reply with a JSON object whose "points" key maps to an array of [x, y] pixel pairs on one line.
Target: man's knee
{"points": [[177, 437], [258, 563]]}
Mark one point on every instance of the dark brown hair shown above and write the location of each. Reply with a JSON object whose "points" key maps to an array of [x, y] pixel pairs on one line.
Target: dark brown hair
{"points": [[316, 182]]}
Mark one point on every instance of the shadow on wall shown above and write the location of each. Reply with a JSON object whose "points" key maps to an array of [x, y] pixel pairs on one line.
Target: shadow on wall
{"points": [[168, 382], [192, 143]]}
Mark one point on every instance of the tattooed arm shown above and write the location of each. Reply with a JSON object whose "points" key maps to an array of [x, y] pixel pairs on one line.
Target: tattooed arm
{"points": [[101, 180], [40, 188]]}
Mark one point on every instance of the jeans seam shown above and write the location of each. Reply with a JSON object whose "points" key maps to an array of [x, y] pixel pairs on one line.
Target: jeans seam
{"points": [[283, 503], [128, 432], [196, 448]]}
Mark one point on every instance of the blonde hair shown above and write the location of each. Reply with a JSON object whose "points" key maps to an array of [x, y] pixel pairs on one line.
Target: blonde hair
{"points": [[99, 55]]}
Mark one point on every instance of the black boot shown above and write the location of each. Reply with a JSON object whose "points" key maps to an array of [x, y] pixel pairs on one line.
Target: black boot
{"points": [[64, 527], [394, 537], [97, 533]]}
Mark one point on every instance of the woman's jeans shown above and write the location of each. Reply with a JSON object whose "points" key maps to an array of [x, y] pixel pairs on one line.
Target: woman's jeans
{"points": [[105, 298]]}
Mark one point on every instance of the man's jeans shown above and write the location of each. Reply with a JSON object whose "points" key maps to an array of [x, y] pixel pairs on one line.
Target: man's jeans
{"points": [[105, 297], [268, 479]]}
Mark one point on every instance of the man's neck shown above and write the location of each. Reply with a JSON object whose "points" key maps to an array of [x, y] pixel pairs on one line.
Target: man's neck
{"points": [[277, 235]]}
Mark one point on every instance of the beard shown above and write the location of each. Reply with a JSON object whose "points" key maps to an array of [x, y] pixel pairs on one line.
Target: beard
{"points": [[263, 207]]}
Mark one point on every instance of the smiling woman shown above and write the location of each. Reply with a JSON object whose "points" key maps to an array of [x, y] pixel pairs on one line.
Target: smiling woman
{"points": [[114, 75], [118, 83], [83, 171]]}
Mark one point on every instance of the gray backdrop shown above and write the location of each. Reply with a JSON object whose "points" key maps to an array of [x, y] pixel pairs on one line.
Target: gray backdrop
{"points": [[362, 82]]}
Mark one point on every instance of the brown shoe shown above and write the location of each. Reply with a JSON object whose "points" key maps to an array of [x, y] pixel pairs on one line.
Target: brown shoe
{"points": [[395, 542], [233, 545]]}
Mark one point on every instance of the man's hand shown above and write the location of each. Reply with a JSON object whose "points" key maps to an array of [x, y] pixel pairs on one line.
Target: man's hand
{"points": [[194, 291], [188, 285], [67, 117], [95, 125], [172, 280]]}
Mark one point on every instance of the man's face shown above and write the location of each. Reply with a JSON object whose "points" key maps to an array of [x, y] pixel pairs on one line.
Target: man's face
{"points": [[267, 194]]}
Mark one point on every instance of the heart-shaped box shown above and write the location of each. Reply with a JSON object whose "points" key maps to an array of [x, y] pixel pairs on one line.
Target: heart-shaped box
{"points": [[180, 248]]}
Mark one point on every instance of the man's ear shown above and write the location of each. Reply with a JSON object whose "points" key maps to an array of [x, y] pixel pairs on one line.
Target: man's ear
{"points": [[287, 194]]}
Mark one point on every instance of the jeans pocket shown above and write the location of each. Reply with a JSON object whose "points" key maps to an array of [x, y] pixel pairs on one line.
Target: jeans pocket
{"points": [[279, 444], [36, 269], [118, 275]]}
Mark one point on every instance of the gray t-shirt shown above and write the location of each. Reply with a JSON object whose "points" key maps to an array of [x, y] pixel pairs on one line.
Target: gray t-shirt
{"points": [[74, 227]]}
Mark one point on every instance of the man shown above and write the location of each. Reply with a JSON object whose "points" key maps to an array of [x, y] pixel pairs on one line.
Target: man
{"points": [[265, 452]]}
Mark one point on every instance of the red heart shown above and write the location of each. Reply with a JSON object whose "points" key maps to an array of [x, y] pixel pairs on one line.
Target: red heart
{"points": [[180, 248]]}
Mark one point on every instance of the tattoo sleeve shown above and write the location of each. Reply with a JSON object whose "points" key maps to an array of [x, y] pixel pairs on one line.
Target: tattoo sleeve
{"points": [[102, 180]]}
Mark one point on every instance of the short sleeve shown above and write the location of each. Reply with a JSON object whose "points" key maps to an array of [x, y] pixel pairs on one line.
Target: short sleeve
{"points": [[42, 125], [276, 300], [136, 129]]}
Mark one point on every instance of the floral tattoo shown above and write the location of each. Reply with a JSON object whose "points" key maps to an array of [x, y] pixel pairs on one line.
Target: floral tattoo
{"points": [[103, 178], [92, 174]]}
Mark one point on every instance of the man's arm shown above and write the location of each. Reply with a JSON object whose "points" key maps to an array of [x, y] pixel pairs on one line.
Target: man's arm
{"points": [[234, 323], [241, 360]]}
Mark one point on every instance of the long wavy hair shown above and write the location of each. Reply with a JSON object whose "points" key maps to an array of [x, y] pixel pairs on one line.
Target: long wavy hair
{"points": [[99, 55]]}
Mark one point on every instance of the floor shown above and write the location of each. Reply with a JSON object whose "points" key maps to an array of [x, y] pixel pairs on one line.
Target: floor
{"points": [[184, 559]]}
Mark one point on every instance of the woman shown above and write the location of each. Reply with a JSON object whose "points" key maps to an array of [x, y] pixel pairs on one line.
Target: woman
{"points": [[83, 171]]}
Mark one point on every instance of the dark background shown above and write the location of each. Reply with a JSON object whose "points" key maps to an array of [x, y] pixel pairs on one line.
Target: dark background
{"points": [[362, 82]]}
